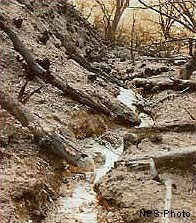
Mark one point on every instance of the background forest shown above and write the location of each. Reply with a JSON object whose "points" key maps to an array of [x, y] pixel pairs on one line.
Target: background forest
{"points": [[167, 26]]}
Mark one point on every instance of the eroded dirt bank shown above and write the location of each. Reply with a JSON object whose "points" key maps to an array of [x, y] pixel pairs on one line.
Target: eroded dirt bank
{"points": [[31, 178], [34, 180], [130, 187]]}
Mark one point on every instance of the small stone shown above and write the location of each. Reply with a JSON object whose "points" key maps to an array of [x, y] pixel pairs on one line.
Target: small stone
{"points": [[131, 139], [156, 138], [18, 22]]}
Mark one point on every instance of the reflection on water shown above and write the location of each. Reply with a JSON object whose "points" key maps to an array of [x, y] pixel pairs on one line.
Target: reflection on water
{"points": [[146, 120], [79, 205], [127, 97], [111, 155]]}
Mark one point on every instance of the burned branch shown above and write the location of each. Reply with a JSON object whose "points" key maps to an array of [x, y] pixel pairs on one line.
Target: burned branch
{"points": [[113, 108], [153, 86], [60, 145]]}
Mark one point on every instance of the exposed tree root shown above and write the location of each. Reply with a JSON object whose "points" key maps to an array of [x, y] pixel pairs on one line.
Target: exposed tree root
{"points": [[113, 108], [153, 86], [61, 145]]}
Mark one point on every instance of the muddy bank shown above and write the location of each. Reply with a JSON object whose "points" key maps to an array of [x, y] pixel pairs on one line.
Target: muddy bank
{"points": [[130, 188], [38, 186], [32, 177]]}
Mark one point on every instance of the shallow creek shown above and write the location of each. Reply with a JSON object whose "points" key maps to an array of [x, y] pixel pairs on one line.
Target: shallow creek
{"points": [[79, 203]]}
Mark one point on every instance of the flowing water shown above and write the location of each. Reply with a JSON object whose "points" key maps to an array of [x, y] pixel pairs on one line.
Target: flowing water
{"points": [[80, 202], [128, 97]]}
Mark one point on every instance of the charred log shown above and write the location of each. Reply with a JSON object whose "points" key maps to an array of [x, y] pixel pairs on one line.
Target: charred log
{"points": [[62, 146], [153, 86], [114, 108]]}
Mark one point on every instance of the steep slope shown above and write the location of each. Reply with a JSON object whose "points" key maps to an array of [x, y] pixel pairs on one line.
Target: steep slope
{"points": [[30, 178]]}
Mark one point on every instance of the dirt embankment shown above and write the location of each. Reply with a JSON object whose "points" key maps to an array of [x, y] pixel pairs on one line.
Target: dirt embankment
{"points": [[31, 178], [130, 188]]}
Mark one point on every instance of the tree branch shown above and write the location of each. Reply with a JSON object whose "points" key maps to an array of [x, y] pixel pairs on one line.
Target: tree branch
{"points": [[192, 29], [64, 147], [113, 108]]}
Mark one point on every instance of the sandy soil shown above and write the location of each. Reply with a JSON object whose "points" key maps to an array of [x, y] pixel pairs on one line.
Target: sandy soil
{"points": [[129, 191], [31, 179]]}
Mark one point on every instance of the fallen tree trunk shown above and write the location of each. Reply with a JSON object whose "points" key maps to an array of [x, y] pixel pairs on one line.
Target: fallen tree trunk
{"points": [[62, 146], [114, 108], [19, 46], [182, 158], [178, 158], [152, 86], [177, 127]]}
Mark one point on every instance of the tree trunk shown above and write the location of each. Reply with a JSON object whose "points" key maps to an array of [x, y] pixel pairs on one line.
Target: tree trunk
{"points": [[187, 69], [153, 86], [62, 146], [120, 8], [109, 106]]}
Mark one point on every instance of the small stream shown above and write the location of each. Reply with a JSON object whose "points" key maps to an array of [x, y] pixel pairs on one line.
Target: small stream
{"points": [[80, 202], [128, 97]]}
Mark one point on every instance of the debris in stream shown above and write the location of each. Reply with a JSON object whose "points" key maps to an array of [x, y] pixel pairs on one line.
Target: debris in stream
{"points": [[132, 116]]}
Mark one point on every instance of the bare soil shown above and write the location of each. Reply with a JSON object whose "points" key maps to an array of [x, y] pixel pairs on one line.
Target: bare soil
{"points": [[129, 191], [31, 178]]}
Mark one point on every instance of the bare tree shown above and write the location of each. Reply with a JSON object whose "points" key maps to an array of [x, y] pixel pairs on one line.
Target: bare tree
{"points": [[132, 36], [180, 11], [166, 22], [112, 17]]}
